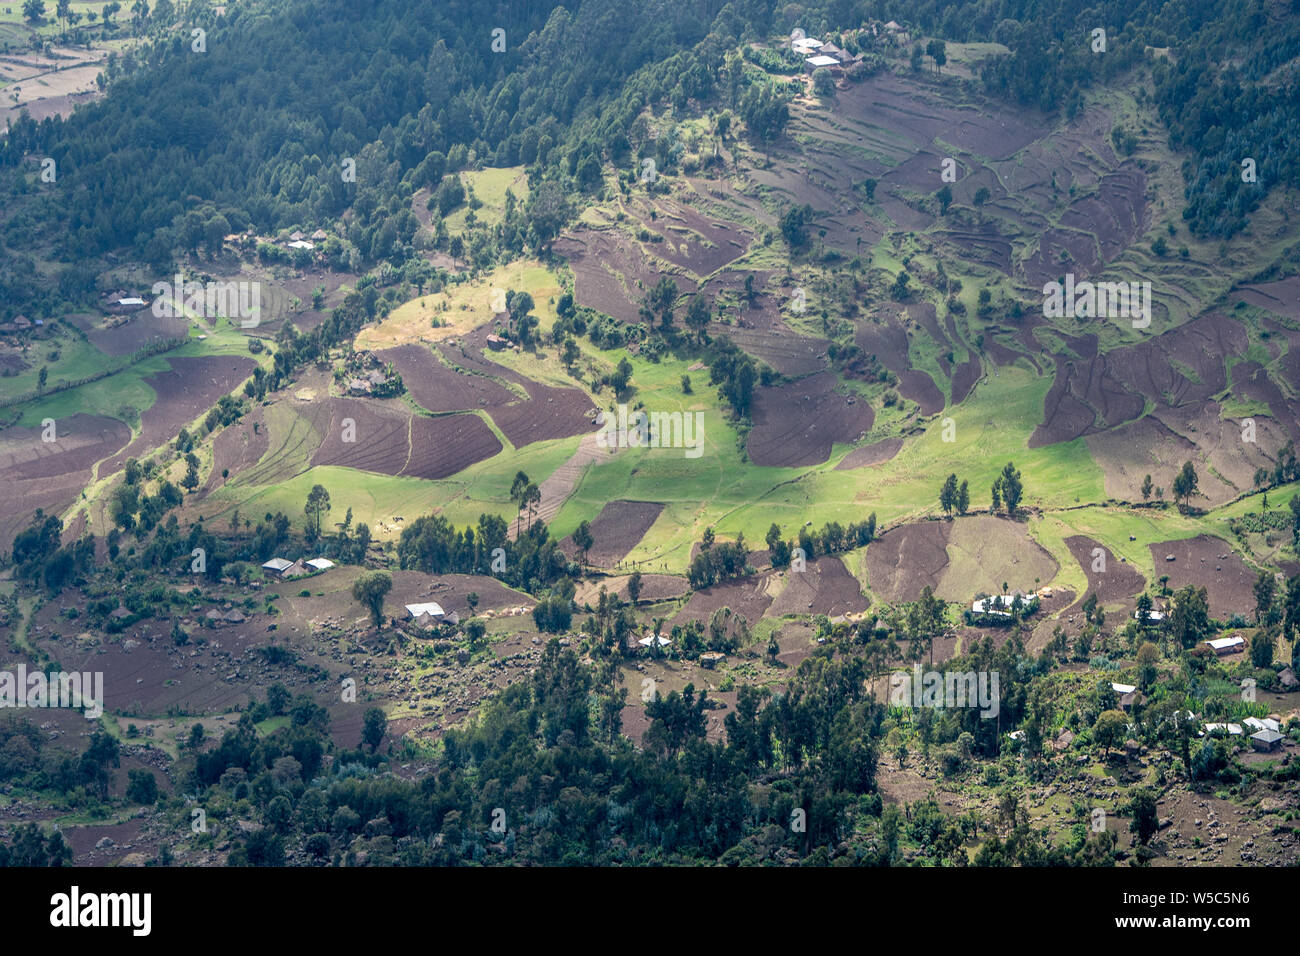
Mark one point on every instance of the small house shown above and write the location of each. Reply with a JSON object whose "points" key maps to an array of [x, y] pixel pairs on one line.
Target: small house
{"points": [[1265, 723], [319, 236], [1227, 645], [1232, 730], [276, 565], [118, 613], [1000, 604], [432, 608], [22, 323], [820, 61], [359, 386], [1152, 617], [1286, 677], [1130, 700], [296, 236], [295, 570], [1266, 740], [650, 641], [805, 46], [712, 658], [320, 564], [496, 342]]}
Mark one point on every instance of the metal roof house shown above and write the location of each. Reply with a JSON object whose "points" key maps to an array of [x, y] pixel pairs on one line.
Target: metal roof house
{"points": [[431, 607], [1227, 645], [1266, 740]]}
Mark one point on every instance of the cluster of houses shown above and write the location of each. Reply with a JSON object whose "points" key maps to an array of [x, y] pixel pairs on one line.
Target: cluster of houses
{"points": [[1267, 734], [19, 325], [295, 240], [285, 569], [818, 55], [371, 377], [216, 618]]}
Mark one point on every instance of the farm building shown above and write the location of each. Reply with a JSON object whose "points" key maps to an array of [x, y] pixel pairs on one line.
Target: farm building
{"points": [[1152, 617], [496, 342], [1128, 695], [805, 45], [302, 244], [1266, 740], [1232, 730], [1000, 603], [285, 568], [432, 608], [295, 570], [820, 61], [1262, 723], [219, 619], [650, 639], [1227, 645], [320, 564]]}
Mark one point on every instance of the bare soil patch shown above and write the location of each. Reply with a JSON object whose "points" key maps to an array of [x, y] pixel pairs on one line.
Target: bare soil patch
{"points": [[616, 531], [143, 329], [1211, 563], [1180, 367], [904, 560], [185, 391], [797, 424], [874, 454], [238, 447], [392, 442], [51, 475], [1117, 584], [824, 587], [748, 597]]}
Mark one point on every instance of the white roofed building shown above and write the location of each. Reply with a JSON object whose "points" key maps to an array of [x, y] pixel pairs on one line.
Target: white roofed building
{"points": [[1227, 645], [430, 607]]}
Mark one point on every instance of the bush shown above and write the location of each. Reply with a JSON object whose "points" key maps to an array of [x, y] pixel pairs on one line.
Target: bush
{"points": [[142, 787], [554, 614]]}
